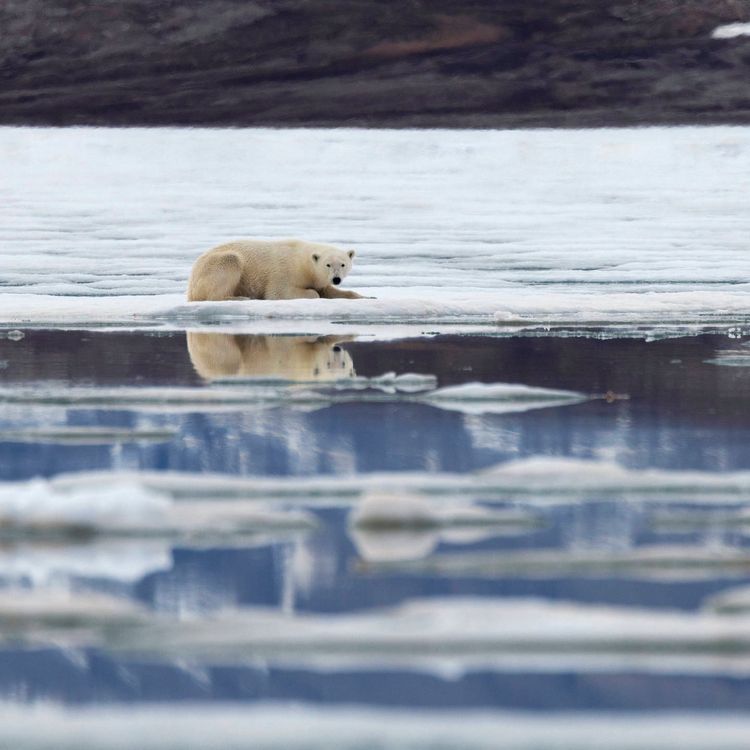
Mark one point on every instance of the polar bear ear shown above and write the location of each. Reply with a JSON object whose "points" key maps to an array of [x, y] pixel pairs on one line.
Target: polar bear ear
{"points": [[315, 257], [351, 253]]}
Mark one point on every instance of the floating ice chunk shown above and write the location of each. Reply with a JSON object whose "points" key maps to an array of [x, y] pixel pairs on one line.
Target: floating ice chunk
{"points": [[662, 563], [731, 601], [458, 626], [22, 609], [119, 560], [388, 510], [176, 397], [223, 726], [218, 518], [731, 30], [396, 544], [402, 526], [737, 357], [567, 475], [499, 398], [13, 335], [390, 382], [474, 398], [66, 434], [534, 480], [116, 506]]}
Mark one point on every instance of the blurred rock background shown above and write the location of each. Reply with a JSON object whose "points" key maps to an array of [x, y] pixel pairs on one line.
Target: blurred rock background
{"points": [[499, 63]]}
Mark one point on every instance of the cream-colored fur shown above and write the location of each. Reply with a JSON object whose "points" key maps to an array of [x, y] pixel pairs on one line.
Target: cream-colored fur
{"points": [[265, 269], [303, 358]]}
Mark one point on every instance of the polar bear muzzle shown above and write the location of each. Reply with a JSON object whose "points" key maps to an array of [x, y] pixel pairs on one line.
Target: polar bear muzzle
{"points": [[336, 280]]}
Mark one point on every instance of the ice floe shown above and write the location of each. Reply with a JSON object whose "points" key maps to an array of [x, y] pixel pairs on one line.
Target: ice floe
{"points": [[81, 435], [112, 505], [634, 227], [731, 31], [732, 357], [387, 527], [471, 398], [41, 563], [24, 611], [458, 627], [198, 726], [662, 563], [534, 480], [498, 398]]}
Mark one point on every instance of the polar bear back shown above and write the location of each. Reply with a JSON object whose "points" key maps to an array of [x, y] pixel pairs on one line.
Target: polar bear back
{"points": [[256, 269]]}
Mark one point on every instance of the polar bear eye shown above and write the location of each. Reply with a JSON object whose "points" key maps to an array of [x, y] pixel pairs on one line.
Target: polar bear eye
{"points": [[328, 264]]}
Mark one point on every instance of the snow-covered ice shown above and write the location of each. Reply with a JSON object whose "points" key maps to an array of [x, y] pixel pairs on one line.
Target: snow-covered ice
{"points": [[470, 398], [113, 505], [226, 726], [635, 226], [535, 480], [458, 627], [731, 30]]}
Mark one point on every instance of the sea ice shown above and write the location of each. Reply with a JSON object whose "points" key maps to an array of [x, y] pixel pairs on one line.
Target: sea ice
{"points": [[634, 226], [731, 30], [201, 726]]}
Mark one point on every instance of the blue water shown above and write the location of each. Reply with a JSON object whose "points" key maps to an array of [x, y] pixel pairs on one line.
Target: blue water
{"points": [[682, 412]]}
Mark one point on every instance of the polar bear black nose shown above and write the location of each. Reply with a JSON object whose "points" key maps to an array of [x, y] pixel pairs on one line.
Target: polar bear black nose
{"points": [[336, 280]]}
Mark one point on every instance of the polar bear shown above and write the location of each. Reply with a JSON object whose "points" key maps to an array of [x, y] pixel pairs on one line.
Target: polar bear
{"points": [[301, 358], [270, 269]]}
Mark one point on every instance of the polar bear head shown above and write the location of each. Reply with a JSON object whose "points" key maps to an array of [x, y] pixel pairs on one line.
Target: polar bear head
{"points": [[330, 265]]}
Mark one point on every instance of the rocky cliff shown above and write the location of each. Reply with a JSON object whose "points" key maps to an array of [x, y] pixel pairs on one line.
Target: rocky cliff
{"points": [[494, 63]]}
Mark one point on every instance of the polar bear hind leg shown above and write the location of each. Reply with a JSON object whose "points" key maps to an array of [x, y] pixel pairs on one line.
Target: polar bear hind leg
{"points": [[215, 277]]}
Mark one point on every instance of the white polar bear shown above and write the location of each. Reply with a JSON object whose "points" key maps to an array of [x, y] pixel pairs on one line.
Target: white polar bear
{"points": [[301, 358], [270, 269]]}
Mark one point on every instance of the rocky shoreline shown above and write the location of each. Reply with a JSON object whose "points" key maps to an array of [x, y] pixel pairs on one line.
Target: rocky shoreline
{"points": [[443, 63]]}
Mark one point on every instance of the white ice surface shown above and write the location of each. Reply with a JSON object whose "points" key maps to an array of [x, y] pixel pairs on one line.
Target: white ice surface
{"points": [[124, 505], [458, 628], [469, 398], [533, 480], [114, 505], [666, 563], [198, 726], [23, 608], [397, 526], [731, 30], [635, 226], [52, 564]]}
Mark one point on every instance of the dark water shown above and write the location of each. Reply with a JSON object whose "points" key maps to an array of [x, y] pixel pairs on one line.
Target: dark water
{"points": [[673, 408]]}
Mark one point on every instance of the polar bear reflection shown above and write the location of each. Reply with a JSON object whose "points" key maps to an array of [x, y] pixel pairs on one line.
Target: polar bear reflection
{"points": [[300, 358]]}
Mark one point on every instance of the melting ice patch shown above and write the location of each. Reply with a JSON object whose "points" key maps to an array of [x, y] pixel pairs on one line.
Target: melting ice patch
{"points": [[25, 611], [498, 398], [280, 727], [736, 357], [437, 636], [77, 435], [635, 225], [113, 505], [44, 564], [121, 506], [731, 31], [471, 398], [388, 527], [468, 628], [535, 480], [657, 563]]}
